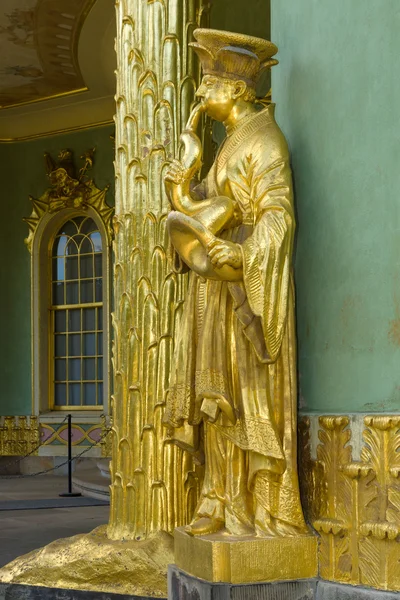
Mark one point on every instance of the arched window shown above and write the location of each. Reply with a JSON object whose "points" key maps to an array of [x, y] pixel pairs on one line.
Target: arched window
{"points": [[70, 235], [76, 316]]}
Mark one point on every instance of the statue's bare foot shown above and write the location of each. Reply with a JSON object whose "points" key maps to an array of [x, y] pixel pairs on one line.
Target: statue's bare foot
{"points": [[204, 526]]}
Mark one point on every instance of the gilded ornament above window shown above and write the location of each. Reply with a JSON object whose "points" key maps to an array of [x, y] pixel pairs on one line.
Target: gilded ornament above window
{"points": [[69, 188]]}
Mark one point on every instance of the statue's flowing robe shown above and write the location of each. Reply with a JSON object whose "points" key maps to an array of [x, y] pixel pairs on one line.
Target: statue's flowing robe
{"points": [[237, 339]]}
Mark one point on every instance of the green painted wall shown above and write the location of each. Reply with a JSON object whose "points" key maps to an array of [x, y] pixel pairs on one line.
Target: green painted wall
{"points": [[22, 173], [245, 16], [252, 17], [337, 91]]}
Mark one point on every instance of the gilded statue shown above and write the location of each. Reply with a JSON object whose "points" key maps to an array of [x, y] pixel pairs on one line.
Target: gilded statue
{"points": [[232, 392], [67, 190]]}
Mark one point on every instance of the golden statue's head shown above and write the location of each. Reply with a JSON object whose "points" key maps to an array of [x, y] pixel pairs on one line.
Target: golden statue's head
{"points": [[232, 64]]}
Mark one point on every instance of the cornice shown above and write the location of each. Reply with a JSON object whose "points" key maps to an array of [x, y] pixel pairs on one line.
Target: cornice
{"points": [[56, 132]]}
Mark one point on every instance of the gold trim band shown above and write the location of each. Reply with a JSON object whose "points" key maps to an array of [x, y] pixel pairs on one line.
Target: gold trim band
{"points": [[56, 132]]}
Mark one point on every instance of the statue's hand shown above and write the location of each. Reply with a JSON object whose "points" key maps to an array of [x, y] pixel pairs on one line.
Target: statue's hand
{"points": [[223, 252], [177, 173]]}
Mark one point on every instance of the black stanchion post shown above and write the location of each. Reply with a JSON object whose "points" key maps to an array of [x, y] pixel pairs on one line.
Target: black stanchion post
{"points": [[70, 493]]}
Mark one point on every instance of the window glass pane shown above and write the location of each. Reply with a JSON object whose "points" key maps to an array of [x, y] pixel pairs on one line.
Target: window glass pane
{"points": [[96, 239], [89, 344], [89, 394], [74, 394], [100, 318], [99, 368], [99, 393], [58, 293], [100, 344], [86, 246], [59, 245], [88, 226], [98, 287], [72, 248], [74, 319], [60, 394], [78, 240], [60, 369], [87, 291], [72, 292], [74, 344], [86, 266], [98, 265], [78, 221], [60, 345], [89, 319], [89, 368], [74, 369], [60, 320], [58, 269], [71, 267], [69, 228]]}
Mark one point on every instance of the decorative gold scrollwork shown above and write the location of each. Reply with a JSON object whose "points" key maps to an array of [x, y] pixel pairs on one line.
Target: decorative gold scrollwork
{"points": [[69, 189], [19, 436], [358, 515]]}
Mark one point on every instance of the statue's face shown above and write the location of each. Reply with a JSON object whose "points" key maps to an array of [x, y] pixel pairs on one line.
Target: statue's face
{"points": [[218, 96]]}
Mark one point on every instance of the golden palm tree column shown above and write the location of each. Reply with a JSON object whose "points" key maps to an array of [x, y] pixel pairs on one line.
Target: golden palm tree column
{"points": [[154, 486]]}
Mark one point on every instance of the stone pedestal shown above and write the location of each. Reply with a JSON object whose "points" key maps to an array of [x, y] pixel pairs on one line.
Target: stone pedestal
{"points": [[327, 590], [220, 558], [10, 591], [182, 586]]}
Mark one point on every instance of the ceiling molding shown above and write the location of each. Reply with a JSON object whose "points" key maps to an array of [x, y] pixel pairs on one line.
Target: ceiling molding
{"points": [[57, 132], [68, 116]]}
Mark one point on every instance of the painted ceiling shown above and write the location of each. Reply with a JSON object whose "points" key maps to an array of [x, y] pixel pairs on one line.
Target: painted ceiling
{"points": [[38, 48], [57, 65]]}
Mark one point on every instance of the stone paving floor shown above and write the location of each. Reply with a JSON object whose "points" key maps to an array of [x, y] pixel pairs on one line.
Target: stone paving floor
{"points": [[24, 530]]}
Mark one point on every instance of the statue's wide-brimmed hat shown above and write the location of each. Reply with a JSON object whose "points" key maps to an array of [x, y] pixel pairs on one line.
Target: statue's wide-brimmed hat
{"points": [[233, 55]]}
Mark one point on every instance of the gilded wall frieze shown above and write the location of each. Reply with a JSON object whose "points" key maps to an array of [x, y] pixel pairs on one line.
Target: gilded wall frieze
{"points": [[19, 436], [355, 505], [81, 435]]}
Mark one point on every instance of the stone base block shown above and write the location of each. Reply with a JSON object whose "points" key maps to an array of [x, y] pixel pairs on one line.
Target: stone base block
{"points": [[220, 558], [30, 592], [337, 591], [182, 586]]}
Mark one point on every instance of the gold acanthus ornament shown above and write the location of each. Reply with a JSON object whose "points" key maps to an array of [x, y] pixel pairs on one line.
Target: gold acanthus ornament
{"points": [[355, 504], [233, 381]]}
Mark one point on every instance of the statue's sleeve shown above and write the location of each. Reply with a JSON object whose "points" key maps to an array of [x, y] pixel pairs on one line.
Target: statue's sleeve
{"points": [[267, 252]]}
